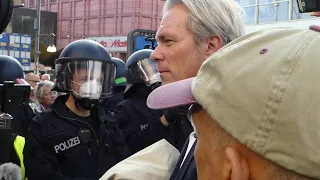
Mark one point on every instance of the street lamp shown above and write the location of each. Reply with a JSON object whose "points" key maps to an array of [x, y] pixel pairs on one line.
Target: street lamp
{"points": [[37, 32], [18, 5], [51, 48]]}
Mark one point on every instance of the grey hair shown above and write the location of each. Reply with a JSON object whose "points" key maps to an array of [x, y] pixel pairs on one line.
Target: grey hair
{"points": [[209, 18], [38, 90]]}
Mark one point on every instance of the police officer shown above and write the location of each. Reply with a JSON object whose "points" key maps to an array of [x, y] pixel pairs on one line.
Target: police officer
{"points": [[141, 125], [73, 139], [120, 83], [11, 144], [24, 113]]}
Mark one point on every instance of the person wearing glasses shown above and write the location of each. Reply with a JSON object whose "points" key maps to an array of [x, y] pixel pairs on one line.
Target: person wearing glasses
{"points": [[24, 113], [32, 79]]}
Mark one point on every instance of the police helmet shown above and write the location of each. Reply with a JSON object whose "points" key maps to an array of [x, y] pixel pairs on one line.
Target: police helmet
{"points": [[141, 69], [6, 9], [10, 69], [121, 72], [86, 70]]}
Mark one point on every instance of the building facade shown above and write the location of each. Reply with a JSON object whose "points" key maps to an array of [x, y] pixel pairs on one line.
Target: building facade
{"points": [[22, 21], [107, 20], [110, 21], [262, 14], [18, 38]]}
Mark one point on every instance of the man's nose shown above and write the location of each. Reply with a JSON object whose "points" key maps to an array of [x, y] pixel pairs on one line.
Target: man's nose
{"points": [[157, 55]]}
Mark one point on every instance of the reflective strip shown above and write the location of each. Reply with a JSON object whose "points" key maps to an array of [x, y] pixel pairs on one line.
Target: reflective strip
{"points": [[120, 80], [18, 146]]}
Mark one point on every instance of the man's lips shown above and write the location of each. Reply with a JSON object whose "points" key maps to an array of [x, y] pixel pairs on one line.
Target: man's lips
{"points": [[163, 70]]}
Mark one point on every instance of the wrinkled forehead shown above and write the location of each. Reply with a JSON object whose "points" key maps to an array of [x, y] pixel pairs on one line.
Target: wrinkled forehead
{"points": [[174, 19]]}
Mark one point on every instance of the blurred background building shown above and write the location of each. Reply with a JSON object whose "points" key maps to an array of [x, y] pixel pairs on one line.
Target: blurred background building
{"points": [[109, 21], [106, 21], [262, 14]]}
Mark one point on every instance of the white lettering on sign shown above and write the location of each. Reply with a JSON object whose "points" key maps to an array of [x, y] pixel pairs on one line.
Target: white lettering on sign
{"points": [[67, 145], [113, 44]]}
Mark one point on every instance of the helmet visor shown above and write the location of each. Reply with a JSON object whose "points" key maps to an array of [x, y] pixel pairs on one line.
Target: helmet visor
{"points": [[146, 70], [91, 79]]}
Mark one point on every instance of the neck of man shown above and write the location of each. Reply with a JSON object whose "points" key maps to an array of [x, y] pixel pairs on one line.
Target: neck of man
{"points": [[78, 110]]}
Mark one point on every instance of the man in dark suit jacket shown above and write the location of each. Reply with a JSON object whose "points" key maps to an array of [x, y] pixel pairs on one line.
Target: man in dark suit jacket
{"points": [[186, 166], [189, 33]]}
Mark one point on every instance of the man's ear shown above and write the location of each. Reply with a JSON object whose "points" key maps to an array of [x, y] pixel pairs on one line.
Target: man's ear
{"points": [[236, 167], [214, 44]]}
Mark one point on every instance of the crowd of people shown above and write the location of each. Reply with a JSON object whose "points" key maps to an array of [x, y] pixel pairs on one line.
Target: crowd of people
{"points": [[209, 102]]}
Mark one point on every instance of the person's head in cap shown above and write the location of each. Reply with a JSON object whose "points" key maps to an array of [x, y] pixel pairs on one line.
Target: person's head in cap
{"points": [[190, 31], [255, 107]]}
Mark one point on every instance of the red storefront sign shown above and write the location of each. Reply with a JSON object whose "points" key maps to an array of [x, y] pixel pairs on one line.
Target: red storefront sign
{"points": [[113, 44]]}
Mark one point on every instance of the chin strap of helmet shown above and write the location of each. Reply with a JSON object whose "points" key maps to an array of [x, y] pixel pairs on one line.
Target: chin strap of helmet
{"points": [[85, 103]]}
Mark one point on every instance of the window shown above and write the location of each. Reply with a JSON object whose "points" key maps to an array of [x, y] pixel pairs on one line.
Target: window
{"points": [[273, 12], [31, 2], [264, 11], [297, 15]]}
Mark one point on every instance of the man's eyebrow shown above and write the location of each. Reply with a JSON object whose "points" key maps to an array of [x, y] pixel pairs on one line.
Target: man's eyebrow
{"points": [[159, 38], [162, 36]]}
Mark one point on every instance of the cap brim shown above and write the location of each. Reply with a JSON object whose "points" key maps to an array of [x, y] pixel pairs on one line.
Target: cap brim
{"points": [[172, 95]]}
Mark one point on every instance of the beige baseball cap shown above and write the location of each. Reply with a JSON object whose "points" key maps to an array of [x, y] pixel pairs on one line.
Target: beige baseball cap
{"points": [[263, 89]]}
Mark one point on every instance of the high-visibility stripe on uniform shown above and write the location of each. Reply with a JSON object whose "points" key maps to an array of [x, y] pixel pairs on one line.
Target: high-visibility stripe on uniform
{"points": [[18, 146]]}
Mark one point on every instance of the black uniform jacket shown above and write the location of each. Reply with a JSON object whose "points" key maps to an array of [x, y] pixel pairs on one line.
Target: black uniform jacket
{"points": [[62, 145]]}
